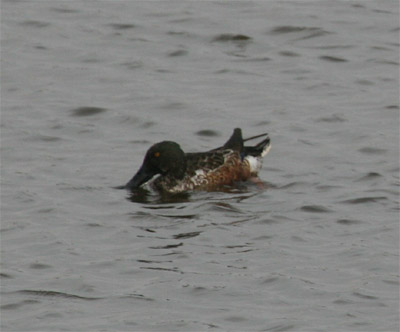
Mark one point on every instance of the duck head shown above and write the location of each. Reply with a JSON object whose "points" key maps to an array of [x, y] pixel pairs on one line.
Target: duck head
{"points": [[165, 158]]}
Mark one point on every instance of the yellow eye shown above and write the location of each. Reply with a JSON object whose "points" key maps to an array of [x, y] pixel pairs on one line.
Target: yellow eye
{"points": [[156, 154]]}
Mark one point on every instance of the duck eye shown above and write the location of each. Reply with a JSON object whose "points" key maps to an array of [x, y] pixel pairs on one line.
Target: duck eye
{"points": [[156, 154]]}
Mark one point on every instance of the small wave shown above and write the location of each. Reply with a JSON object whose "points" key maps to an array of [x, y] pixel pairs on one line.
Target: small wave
{"points": [[43, 138], [259, 58], [293, 184], [332, 58], [162, 269], [35, 24], [87, 111], [207, 133], [228, 37], [137, 297], [392, 107], [173, 105], [132, 65], [281, 328], [270, 280], [332, 119], [364, 296], [315, 209], [178, 53], [122, 26], [40, 266], [363, 200], [13, 306], [370, 176], [348, 221], [289, 53], [342, 302], [391, 282], [168, 246], [64, 10], [309, 32], [370, 150], [222, 206], [50, 293], [186, 235]]}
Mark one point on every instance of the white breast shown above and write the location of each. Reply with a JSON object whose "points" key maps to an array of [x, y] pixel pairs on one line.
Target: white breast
{"points": [[255, 163]]}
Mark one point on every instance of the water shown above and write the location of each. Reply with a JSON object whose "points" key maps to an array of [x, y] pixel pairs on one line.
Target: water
{"points": [[87, 88]]}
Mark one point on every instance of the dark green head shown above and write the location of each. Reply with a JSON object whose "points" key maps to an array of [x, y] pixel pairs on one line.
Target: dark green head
{"points": [[165, 158]]}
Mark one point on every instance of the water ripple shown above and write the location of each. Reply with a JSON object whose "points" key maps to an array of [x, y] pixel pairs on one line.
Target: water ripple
{"points": [[369, 176], [315, 209], [49, 293], [348, 221], [331, 58], [371, 150], [87, 111], [186, 235], [227, 37], [307, 32], [362, 200]]}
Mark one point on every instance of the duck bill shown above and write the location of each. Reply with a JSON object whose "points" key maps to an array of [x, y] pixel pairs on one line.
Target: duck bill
{"points": [[142, 176]]}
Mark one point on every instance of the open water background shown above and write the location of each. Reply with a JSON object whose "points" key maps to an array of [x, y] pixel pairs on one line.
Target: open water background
{"points": [[88, 86]]}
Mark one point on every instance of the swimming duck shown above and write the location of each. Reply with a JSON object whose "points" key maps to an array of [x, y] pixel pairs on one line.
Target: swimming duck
{"points": [[180, 172]]}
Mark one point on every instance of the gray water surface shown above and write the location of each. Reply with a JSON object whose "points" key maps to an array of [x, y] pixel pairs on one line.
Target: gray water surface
{"points": [[87, 87]]}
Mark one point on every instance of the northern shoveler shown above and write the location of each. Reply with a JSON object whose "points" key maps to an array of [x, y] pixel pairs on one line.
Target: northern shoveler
{"points": [[180, 172]]}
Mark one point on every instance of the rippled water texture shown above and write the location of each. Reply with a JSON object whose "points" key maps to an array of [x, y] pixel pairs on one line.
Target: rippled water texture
{"points": [[87, 87]]}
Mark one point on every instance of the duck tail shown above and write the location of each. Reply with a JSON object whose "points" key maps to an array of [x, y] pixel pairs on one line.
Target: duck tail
{"points": [[235, 142], [254, 137], [260, 149]]}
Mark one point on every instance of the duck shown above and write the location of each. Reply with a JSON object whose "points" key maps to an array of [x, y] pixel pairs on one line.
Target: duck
{"points": [[167, 168]]}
